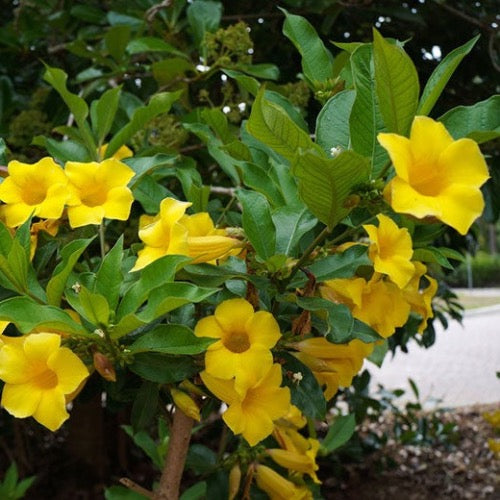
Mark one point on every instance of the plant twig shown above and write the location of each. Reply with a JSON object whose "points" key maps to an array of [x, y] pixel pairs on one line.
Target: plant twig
{"points": [[131, 485], [180, 435]]}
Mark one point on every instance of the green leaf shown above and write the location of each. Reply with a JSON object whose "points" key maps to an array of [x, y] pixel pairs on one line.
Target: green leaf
{"points": [[342, 327], [480, 122], [379, 352], [201, 459], [432, 254], [365, 121], [332, 124], [259, 179], [340, 265], [149, 193], [27, 315], [163, 369], [247, 83], [57, 78], [441, 75], [109, 277], [146, 165], [264, 71], [396, 83], [257, 222], [69, 255], [270, 124], [147, 444], [306, 393], [116, 40], [326, 183], [171, 339], [158, 104], [291, 223], [122, 493], [157, 273], [92, 306], [339, 432], [317, 61], [103, 113], [203, 15], [63, 151], [151, 44], [196, 492], [145, 405], [3, 151]]}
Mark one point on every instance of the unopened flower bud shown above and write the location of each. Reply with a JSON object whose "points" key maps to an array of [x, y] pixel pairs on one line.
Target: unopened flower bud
{"points": [[186, 404], [234, 481], [104, 367]]}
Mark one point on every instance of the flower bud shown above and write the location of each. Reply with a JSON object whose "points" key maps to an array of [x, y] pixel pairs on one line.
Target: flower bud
{"points": [[234, 481], [104, 367], [186, 404]]}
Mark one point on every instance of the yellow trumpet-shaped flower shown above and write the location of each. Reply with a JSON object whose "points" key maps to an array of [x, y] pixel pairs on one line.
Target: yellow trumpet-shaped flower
{"points": [[252, 411], [436, 175], [378, 303], [245, 339], [39, 189], [99, 191], [277, 487], [298, 454], [333, 365], [173, 232], [50, 226], [38, 374], [120, 154], [391, 250]]}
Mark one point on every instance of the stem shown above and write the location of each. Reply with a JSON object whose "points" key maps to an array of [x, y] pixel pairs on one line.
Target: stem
{"points": [[102, 239], [180, 435], [309, 250]]}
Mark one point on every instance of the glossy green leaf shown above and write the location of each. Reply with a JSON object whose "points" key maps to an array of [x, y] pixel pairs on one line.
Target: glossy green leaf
{"points": [[27, 315], [396, 83], [145, 405], [157, 273], [332, 124], [68, 150], [203, 16], [270, 124], [306, 393], [291, 223], [103, 113], [151, 44], [92, 306], [480, 122], [171, 339], [109, 276], [257, 222], [339, 432], [365, 121], [317, 61], [116, 40], [326, 183], [441, 75], [196, 492], [158, 104], [162, 368], [69, 257]]}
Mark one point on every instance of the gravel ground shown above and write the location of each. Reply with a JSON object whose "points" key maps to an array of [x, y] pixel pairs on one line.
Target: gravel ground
{"points": [[468, 470]]}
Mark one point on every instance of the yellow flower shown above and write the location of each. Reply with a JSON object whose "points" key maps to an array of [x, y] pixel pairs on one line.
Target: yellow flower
{"points": [[38, 374], [277, 487], [122, 152], [493, 418], [205, 242], [186, 404], [391, 250], [333, 365], [162, 234], [421, 300], [378, 303], [173, 232], [252, 411], [435, 175], [99, 191], [245, 339], [494, 446], [39, 189], [298, 453]]}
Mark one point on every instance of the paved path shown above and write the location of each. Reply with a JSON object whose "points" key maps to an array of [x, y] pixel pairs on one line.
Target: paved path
{"points": [[460, 368]]}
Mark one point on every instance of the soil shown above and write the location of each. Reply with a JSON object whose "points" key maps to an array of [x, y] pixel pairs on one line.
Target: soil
{"points": [[466, 470]]}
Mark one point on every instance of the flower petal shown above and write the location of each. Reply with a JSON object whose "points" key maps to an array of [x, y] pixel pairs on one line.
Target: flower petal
{"points": [[69, 369], [82, 215], [399, 150], [428, 139], [113, 173], [51, 411], [208, 327], [21, 400], [39, 346], [233, 314], [118, 203], [262, 328], [222, 389]]}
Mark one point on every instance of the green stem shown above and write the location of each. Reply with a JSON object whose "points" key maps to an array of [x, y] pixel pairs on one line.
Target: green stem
{"points": [[102, 239]]}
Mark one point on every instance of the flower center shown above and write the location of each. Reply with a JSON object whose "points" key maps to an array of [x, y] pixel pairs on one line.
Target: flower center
{"points": [[427, 180], [237, 342], [34, 195], [47, 379], [95, 197]]}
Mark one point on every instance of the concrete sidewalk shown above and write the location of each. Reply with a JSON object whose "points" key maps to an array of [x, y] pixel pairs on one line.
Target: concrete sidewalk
{"points": [[459, 369]]}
